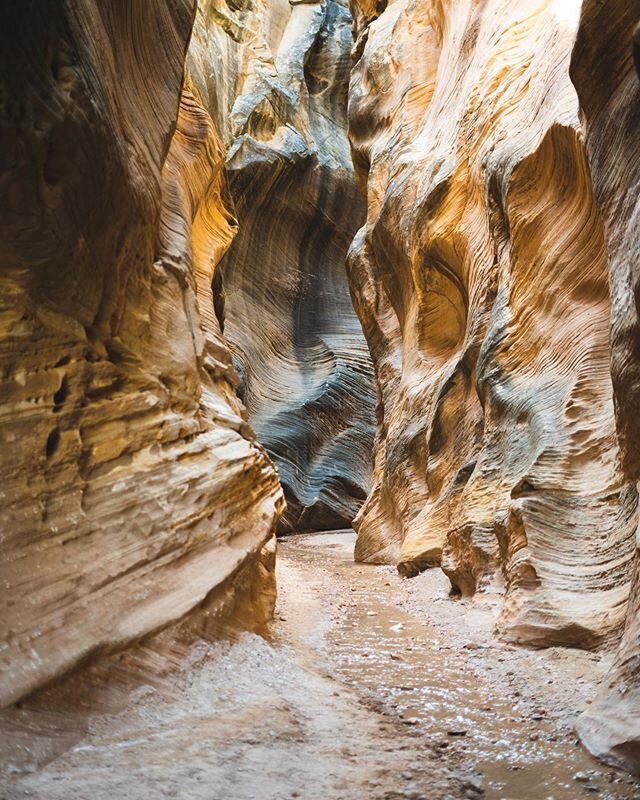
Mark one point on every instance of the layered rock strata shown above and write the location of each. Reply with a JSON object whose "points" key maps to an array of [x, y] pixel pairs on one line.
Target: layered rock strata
{"points": [[132, 489], [608, 85], [481, 279], [275, 79]]}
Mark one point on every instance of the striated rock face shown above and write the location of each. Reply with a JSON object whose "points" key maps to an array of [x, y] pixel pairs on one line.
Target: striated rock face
{"points": [[275, 79], [131, 488], [481, 279], [609, 89]]}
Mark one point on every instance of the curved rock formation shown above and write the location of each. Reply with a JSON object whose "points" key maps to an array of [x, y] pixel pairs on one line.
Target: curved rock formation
{"points": [[609, 89], [132, 490], [279, 99], [480, 277]]}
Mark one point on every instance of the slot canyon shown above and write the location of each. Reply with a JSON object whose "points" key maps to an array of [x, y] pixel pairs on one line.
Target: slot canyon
{"points": [[319, 399]]}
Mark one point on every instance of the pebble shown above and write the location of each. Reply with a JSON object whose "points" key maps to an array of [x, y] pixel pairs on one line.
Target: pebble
{"points": [[474, 785]]}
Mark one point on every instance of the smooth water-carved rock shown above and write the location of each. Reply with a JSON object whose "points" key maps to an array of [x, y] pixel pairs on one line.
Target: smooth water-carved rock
{"points": [[481, 280], [274, 77], [609, 89], [132, 490]]}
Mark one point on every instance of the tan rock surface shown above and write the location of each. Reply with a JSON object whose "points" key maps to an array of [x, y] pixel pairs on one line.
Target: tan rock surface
{"points": [[607, 81], [274, 76], [481, 280], [132, 490]]}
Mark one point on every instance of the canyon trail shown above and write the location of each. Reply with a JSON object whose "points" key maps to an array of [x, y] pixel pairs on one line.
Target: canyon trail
{"points": [[363, 689]]}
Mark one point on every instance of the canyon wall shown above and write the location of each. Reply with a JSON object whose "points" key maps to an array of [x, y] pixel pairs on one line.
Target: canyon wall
{"points": [[274, 77], [481, 279], [608, 85], [132, 489], [501, 177]]}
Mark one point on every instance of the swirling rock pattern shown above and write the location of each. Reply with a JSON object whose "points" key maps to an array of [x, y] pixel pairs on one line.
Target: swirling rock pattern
{"points": [[609, 90], [279, 98], [132, 489], [480, 277]]}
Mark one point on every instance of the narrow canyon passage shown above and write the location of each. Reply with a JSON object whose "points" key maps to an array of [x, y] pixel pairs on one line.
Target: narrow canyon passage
{"points": [[365, 685], [360, 274]]}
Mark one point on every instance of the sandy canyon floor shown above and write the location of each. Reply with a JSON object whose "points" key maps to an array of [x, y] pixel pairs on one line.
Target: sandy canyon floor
{"points": [[366, 686]]}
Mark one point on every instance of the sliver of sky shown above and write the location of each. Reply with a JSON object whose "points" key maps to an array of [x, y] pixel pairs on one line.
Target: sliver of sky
{"points": [[567, 11]]}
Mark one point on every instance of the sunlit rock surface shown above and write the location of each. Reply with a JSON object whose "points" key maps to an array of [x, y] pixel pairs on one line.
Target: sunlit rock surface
{"points": [[481, 280], [275, 77], [131, 488], [607, 81]]}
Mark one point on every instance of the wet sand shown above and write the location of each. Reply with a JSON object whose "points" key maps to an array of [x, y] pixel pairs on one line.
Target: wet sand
{"points": [[366, 686]]}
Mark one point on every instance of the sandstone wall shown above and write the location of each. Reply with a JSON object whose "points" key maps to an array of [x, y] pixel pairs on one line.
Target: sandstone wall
{"points": [[132, 490], [481, 279], [274, 76], [607, 81]]}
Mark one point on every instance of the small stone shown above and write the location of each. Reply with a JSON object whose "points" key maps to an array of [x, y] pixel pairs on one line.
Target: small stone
{"points": [[474, 785], [581, 777], [456, 732]]}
